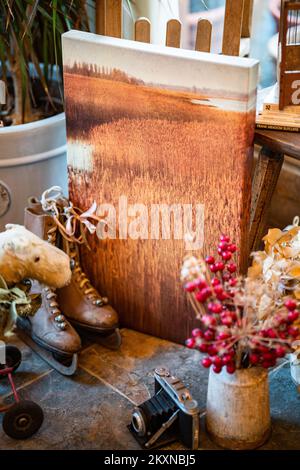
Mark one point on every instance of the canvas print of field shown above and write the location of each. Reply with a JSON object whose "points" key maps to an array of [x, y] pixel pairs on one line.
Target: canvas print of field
{"points": [[157, 126]]}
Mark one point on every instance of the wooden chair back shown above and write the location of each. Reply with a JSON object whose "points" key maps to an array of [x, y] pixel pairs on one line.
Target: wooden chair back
{"points": [[237, 25]]}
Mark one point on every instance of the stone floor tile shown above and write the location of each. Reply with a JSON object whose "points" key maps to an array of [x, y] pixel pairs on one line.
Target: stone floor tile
{"points": [[92, 409], [32, 368], [80, 413], [131, 369]]}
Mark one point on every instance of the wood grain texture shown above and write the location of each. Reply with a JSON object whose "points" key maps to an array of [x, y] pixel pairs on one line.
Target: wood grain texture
{"points": [[266, 175], [293, 57], [113, 19], [232, 27], [173, 33], [100, 6], [203, 36], [142, 30], [247, 19]]}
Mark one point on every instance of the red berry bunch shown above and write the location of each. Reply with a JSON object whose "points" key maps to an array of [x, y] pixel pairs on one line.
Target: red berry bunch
{"points": [[228, 336], [274, 342]]}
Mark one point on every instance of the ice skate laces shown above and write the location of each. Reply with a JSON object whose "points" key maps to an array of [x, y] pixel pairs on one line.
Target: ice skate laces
{"points": [[84, 282], [72, 222]]}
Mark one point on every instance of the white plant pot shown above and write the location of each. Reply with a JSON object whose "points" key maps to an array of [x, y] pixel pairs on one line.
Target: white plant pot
{"points": [[238, 409], [32, 158]]}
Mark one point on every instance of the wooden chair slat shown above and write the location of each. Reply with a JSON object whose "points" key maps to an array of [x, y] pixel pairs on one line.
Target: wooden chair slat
{"points": [[232, 27], [113, 23], [203, 37], [283, 35], [173, 35], [247, 18], [142, 30], [100, 16]]}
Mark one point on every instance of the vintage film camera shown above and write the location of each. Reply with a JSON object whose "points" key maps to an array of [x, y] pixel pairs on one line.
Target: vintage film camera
{"points": [[170, 415]]}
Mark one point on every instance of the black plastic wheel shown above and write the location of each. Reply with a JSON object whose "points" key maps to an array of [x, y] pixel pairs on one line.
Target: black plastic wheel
{"points": [[13, 357], [23, 419]]}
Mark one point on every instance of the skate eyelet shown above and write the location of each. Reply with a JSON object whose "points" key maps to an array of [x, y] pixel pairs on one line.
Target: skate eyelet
{"points": [[72, 264], [62, 325], [59, 319]]}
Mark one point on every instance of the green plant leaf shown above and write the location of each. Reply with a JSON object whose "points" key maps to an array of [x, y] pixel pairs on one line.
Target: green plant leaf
{"points": [[30, 40]]}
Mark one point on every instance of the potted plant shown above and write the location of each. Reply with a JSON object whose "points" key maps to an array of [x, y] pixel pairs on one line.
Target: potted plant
{"points": [[245, 326], [33, 141]]}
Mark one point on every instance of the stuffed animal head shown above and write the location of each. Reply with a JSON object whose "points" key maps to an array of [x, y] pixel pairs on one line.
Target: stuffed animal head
{"points": [[24, 255]]}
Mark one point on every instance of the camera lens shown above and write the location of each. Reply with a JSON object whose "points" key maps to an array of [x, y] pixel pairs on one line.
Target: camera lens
{"points": [[150, 415], [138, 423]]}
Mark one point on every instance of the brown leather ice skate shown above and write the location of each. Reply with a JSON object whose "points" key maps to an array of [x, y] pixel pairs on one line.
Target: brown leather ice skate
{"points": [[48, 332], [80, 302]]}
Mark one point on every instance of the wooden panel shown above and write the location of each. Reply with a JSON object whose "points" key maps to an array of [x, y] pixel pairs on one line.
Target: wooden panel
{"points": [[292, 59], [100, 16], [113, 23], [203, 37], [247, 18], [142, 30], [173, 33], [232, 27], [266, 175]]}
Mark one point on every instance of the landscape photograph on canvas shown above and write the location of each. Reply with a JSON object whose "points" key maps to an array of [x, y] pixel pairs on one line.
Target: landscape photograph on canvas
{"points": [[162, 136]]}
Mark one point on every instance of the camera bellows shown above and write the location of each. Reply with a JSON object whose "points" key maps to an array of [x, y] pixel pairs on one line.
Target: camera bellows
{"points": [[169, 415], [150, 416]]}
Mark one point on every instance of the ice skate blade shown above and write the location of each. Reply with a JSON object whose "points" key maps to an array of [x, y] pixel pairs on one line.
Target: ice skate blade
{"points": [[47, 356]]}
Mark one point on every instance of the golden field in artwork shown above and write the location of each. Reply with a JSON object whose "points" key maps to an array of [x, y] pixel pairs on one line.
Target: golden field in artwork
{"points": [[156, 145]]}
